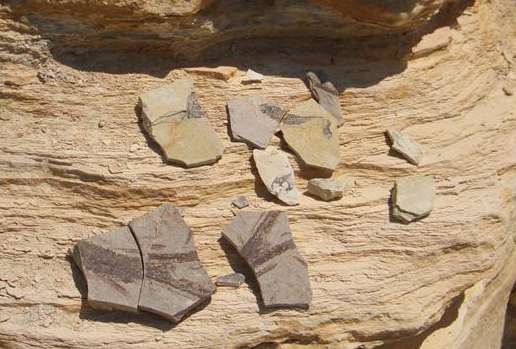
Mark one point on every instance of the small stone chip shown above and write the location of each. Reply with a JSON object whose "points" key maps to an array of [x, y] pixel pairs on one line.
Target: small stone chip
{"points": [[326, 189], [240, 202], [405, 146], [252, 77], [413, 197], [230, 280], [327, 96]]}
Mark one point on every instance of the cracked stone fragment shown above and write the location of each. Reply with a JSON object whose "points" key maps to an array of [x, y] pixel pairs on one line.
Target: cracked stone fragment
{"points": [[326, 189], [251, 77], [413, 197], [405, 146], [172, 116], [264, 241], [112, 266], [311, 134], [253, 120], [174, 280], [276, 174], [230, 280], [327, 96], [240, 202]]}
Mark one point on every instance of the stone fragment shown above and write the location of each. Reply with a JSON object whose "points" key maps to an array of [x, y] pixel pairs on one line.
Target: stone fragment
{"points": [[326, 189], [253, 120], [174, 280], [327, 96], [413, 197], [252, 77], [230, 280], [240, 202], [405, 146], [101, 123], [112, 266], [435, 41], [172, 116], [276, 174], [221, 73], [264, 241], [310, 132]]}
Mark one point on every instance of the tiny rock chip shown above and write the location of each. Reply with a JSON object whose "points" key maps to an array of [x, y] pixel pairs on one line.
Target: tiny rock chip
{"points": [[326, 189], [252, 77], [277, 175], [327, 96], [264, 241], [240, 202], [413, 197], [230, 280], [174, 280], [310, 132], [406, 147], [112, 266], [172, 116], [101, 124], [253, 120]]}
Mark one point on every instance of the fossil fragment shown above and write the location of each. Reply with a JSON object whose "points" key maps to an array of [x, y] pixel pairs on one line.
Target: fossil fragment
{"points": [[276, 174], [253, 120], [327, 96], [264, 240], [326, 189], [413, 197], [403, 145], [174, 281], [172, 116], [230, 280], [310, 132], [112, 266]]}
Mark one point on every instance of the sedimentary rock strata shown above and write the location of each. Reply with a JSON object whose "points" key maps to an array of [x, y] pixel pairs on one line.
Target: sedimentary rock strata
{"points": [[413, 197], [327, 96], [172, 116], [276, 174], [264, 240], [326, 189], [405, 146]]}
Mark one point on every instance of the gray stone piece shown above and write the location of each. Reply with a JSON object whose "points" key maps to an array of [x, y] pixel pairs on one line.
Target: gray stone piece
{"points": [[264, 241], [172, 116], [240, 202], [112, 266], [326, 189], [413, 197], [252, 77], [253, 120], [404, 146], [276, 174], [230, 280], [174, 280], [327, 96]]}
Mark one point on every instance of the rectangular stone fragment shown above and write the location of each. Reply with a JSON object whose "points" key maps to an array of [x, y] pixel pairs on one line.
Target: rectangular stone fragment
{"points": [[264, 241], [413, 197]]}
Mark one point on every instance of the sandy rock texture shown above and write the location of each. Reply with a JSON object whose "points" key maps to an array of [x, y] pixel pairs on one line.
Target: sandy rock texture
{"points": [[435, 70]]}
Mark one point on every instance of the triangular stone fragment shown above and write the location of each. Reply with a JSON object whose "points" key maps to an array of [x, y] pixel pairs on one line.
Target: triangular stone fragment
{"points": [[251, 77], [276, 174], [253, 120], [403, 145], [310, 132], [413, 197], [172, 116], [112, 266], [264, 240], [174, 280], [327, 96]]}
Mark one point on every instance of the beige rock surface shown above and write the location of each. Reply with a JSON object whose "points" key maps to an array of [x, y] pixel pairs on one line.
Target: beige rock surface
{"points": [[374, 283]]}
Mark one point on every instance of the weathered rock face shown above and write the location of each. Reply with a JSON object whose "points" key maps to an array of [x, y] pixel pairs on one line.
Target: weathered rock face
{"points": [[441, 282]]}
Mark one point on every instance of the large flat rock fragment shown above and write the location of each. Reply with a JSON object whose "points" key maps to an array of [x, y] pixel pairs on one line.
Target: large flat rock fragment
{"points": [[327, 96], [264, 240], [174, 280], [404, 146], [413, 197], [112, 267], [277, 175], [172, 116], [310, 132], [253, 120]]}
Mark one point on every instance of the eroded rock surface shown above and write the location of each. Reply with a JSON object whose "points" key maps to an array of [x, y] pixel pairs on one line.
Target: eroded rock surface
{"points": [[174, 280], [264, 240], [112, 267], [276, 174], [413, 197], [326, 189], [172, 116], [327, 96], [405, 146], [310, 132]]}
